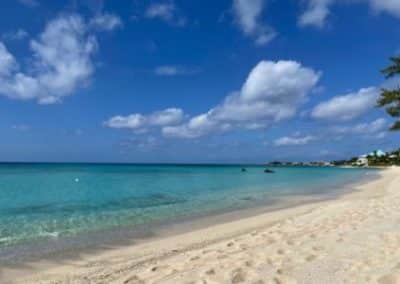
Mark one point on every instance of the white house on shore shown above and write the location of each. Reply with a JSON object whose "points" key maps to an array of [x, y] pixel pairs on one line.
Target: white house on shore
{"points": [[362, 161]]}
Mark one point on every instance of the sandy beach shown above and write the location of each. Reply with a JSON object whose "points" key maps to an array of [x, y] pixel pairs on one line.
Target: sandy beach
{"points": [[353, 239]]}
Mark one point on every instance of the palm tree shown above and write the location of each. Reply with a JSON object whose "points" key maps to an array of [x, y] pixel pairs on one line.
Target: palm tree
{"points": [[391, 98]]}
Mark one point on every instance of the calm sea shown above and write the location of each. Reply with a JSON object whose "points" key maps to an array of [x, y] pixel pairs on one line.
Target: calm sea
{"points": [[51, 201]]}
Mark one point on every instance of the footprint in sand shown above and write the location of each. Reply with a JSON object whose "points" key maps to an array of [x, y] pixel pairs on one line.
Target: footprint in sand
{"points": [[291, 242], [243, 246], [157, 268], [238, 276], [311, 257], [210, 272], [248, 263], [133, 280], [281, 251]]}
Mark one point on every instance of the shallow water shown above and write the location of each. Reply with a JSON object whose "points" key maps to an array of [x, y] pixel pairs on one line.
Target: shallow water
{"points": [[51, 201]]}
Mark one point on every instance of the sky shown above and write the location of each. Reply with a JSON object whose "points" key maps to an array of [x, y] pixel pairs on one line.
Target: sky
{"points": [[228, 81]]}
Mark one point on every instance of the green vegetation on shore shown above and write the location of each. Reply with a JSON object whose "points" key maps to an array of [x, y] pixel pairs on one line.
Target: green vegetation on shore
{"points": [[374, 159], [391, 98]]}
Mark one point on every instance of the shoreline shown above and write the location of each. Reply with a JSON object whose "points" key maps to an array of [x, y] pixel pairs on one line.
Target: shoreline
{"points": [[146, 253], [68, 246]]}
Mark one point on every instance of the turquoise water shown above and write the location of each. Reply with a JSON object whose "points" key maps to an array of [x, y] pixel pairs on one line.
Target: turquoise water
{"points": [[42, 201]]}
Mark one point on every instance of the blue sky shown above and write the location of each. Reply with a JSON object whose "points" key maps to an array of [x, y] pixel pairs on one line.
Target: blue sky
{"points": [[194, 81]]}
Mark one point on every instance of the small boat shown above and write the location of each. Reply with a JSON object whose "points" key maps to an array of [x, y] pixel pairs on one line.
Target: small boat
{"points": [[269, 171], [244, 170]]}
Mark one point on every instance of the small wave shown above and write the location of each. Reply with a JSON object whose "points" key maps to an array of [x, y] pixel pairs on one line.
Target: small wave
{"points": [[49, 234], [5, 240]]}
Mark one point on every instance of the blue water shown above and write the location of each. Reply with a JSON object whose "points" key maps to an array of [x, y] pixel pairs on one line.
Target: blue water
{"points": [[41, 201]]}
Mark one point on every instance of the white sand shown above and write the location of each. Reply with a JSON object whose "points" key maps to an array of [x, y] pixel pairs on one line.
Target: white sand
{"points": [[355, 239]]}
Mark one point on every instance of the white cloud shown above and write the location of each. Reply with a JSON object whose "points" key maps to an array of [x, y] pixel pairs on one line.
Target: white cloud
{"points": [[377, 126], [140, 122], [7, 61], [106, 21], [168, 116], [167, 70], [133, 121], [17, 35], [381, 135], [389, 6], [166, 12], [294, 141], [61, 62], [248, 14], [370, 128], [348, 106], [317, 11], [171, 70], [272, 92]]}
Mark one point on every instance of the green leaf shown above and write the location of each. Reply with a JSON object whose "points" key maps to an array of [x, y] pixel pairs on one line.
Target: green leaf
{"points": [[395, 126], [393, 69]]}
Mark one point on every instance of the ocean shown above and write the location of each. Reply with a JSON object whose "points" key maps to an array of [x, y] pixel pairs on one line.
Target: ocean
{"points": [[51, 203]]}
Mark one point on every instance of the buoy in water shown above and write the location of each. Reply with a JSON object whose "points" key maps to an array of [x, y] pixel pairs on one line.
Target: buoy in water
{"points": [[76, 179]]}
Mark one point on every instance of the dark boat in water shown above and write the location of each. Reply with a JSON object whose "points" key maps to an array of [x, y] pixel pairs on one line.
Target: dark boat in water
{"points": [[269, 171]]}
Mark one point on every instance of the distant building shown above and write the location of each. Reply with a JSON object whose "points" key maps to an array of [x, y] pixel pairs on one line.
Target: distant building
{"points": [[362, 162]]}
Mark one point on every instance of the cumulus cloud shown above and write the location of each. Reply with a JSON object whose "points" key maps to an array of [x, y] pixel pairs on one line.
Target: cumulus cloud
{"points": [[166, 12], [247, 15], [272, 92], [62, 61], [294, 141], [140, 122], [317, 11], [348, 106]]}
